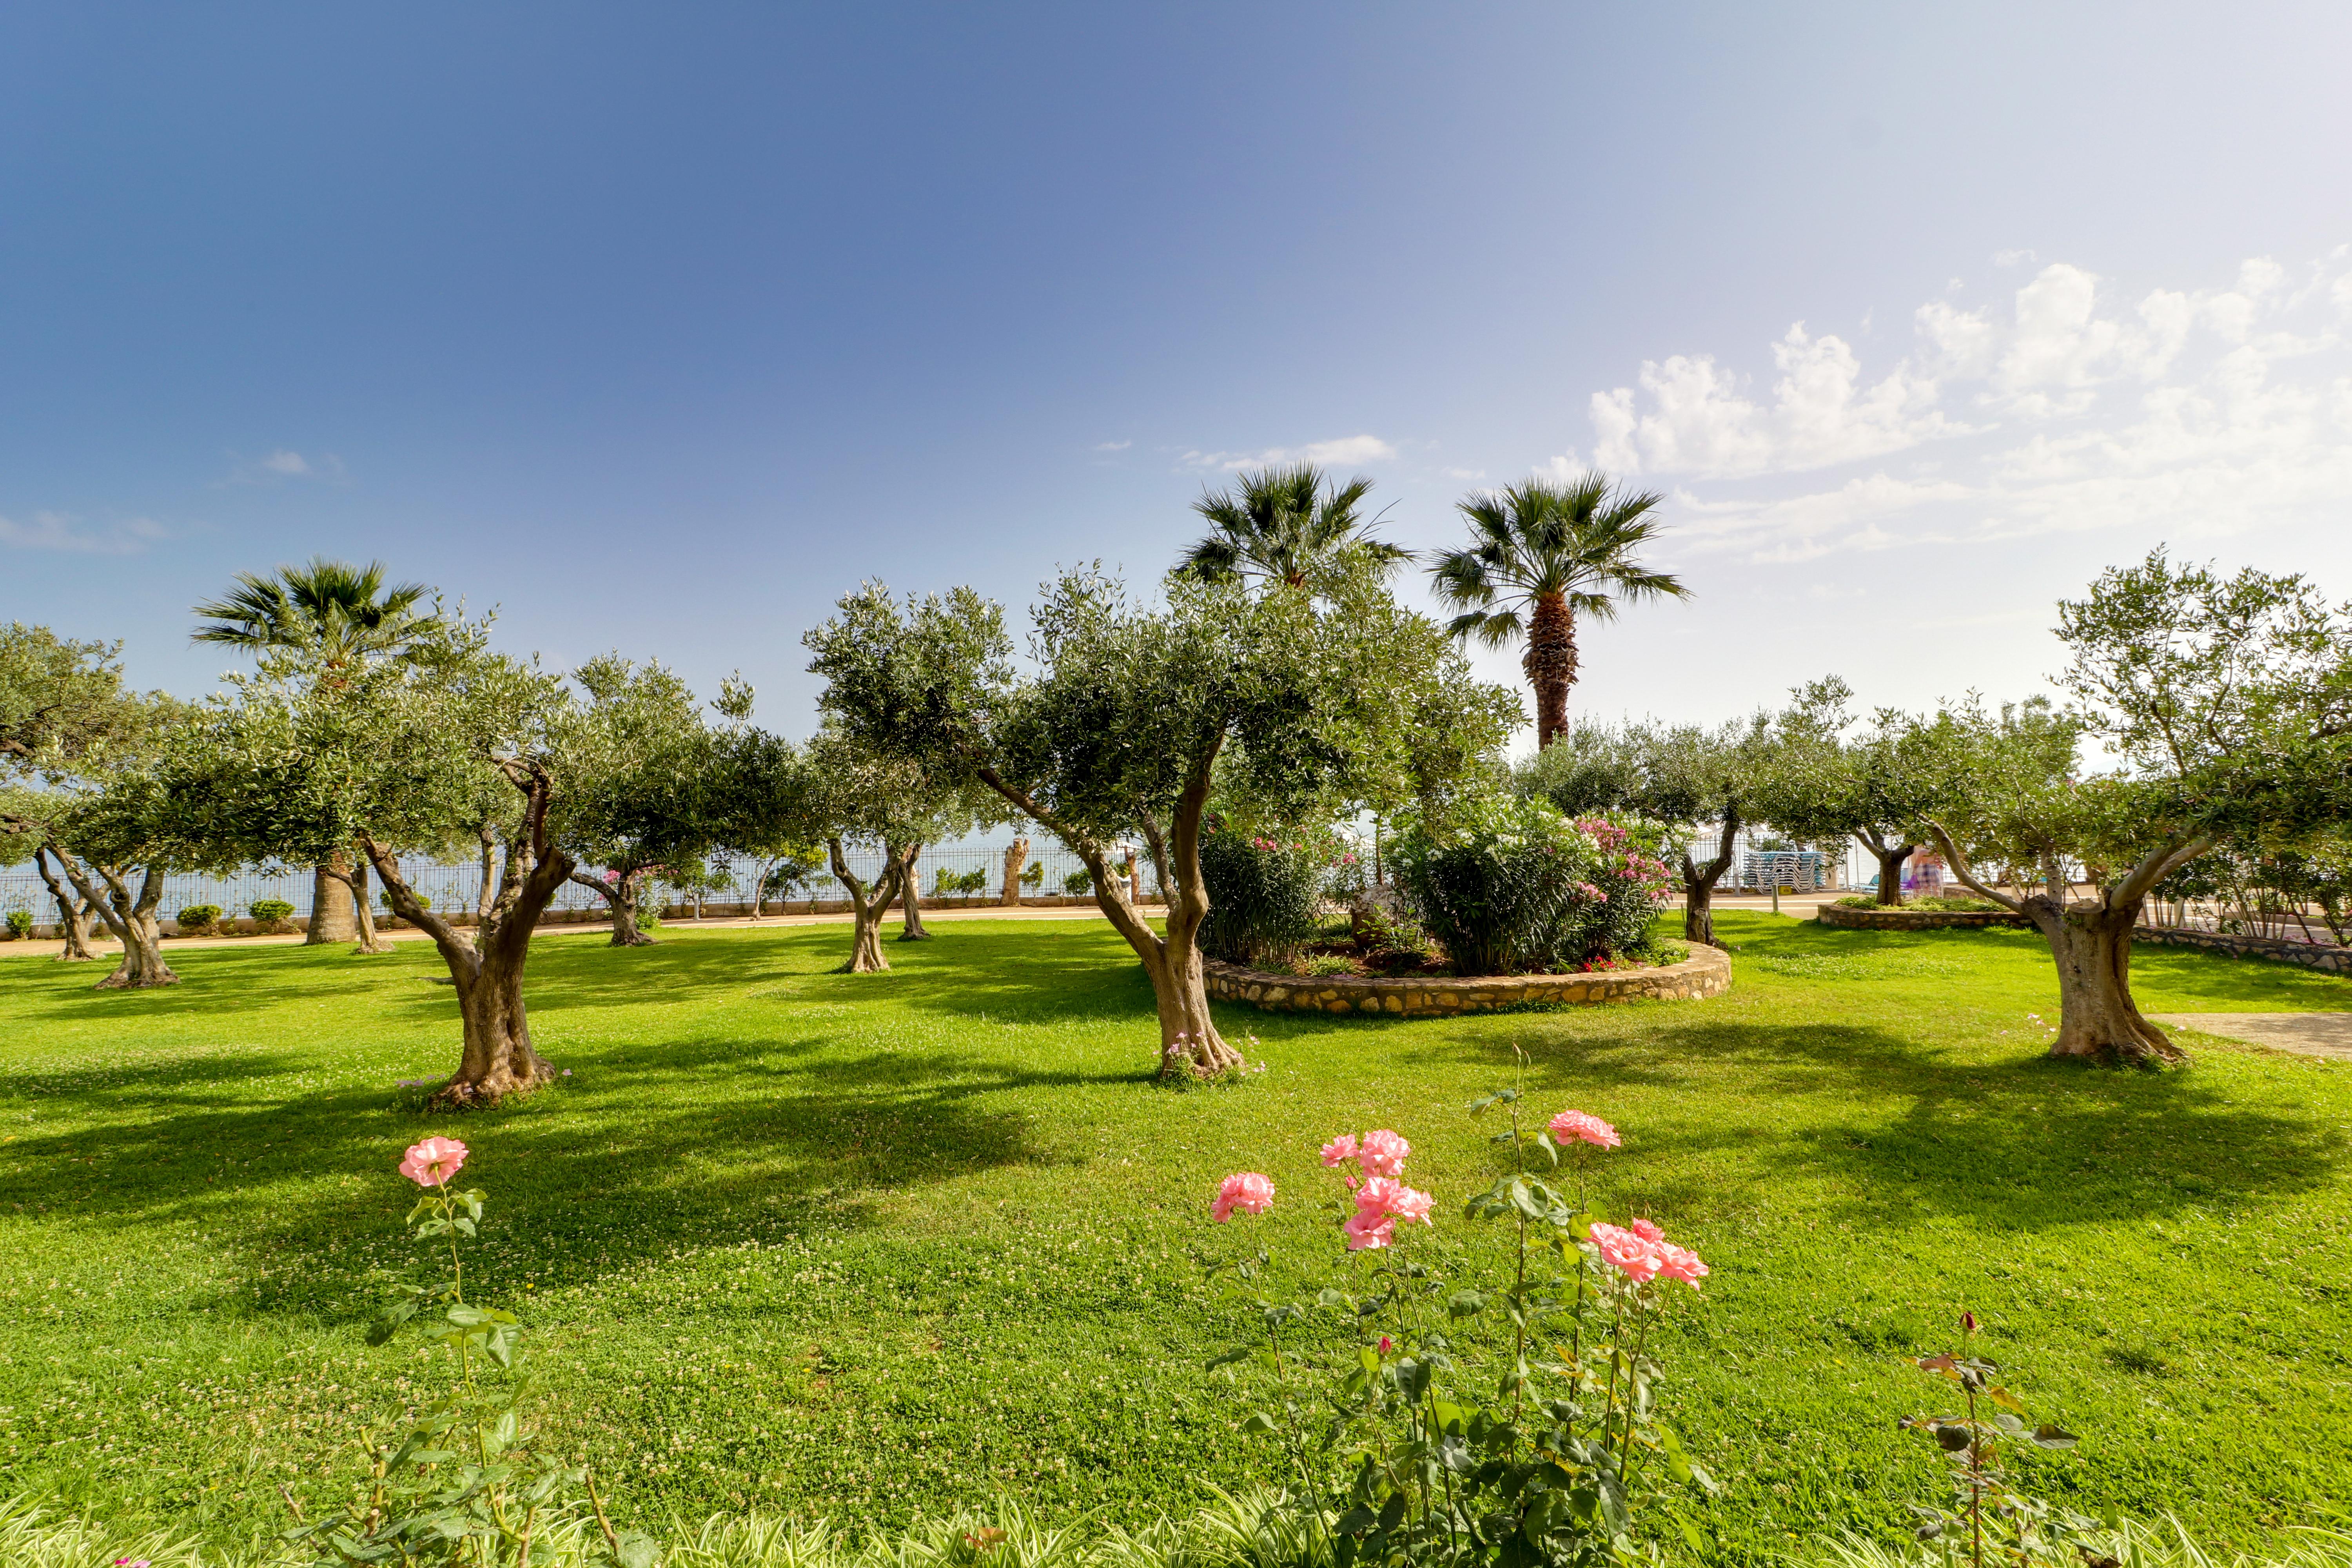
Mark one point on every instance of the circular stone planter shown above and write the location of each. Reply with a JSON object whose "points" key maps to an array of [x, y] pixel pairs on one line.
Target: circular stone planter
{"points": [[1913, 920], [1705, 972]]}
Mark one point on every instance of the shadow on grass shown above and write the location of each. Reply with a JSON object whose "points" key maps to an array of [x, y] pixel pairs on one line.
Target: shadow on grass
{"points": [[1917, 1131]]}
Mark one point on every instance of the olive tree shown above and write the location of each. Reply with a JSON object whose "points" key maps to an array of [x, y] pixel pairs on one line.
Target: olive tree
{"points": [[1683, 775], [2225, 707], [1130, 707], [856, 795], [1832, 777], [650, 804], [447, 743], [78, 751]]}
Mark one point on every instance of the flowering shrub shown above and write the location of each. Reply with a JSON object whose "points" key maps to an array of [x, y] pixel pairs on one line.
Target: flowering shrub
{"points": [[1264, 893], [1405, 1440], [1509, 886], [456, 1481]]}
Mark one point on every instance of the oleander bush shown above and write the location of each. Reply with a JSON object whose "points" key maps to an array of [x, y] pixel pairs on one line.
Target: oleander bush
{"points": [[1510, 886], [1265, 894]]}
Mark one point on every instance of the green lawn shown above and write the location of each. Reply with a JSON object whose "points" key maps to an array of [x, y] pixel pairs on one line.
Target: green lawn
{"points": [[862, 1245]]}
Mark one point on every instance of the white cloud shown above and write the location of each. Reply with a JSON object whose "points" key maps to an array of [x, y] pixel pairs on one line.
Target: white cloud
{"points": [[285, 464], [53, 530], [1346, 452], [1699, 421], [2009, 259], [1113, 445], [2190, 412]]}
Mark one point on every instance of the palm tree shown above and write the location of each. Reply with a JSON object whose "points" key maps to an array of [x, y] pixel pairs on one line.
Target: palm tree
{"points": [[1547, 552], [345, 610], [1288, 525], [346, 613]]}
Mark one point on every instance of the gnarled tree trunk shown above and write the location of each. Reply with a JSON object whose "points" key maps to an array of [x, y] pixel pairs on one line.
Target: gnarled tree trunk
{"points": [[621, 896], [333, 917], [1190, 1045], [496, 1058], [352, 878], [1699, 884], [1016, 860], [1890, 866], [1550, 663], [129, 917], [867, 905], [2090, 940], [73, 912], [910, 893]]}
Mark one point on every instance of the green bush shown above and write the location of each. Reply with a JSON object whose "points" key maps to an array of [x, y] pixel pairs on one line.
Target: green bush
{"points": [[1955, 903], [269, 913], [197, 918], [19, 924], [1263, 896], [1509, 886], [1078, 883]]}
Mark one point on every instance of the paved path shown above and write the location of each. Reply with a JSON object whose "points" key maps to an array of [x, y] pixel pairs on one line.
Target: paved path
{"points": [[2305, 1033]]}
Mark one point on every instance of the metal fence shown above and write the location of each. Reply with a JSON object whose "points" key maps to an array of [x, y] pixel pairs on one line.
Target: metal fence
{"points": [[974, 874]]}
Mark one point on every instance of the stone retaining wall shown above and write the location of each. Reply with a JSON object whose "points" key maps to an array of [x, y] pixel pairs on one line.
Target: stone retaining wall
{"points": [[1707, 972], [2302, 955], [1913, 920]]}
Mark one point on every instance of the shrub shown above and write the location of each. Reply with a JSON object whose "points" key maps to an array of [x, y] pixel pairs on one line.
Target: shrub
{"points": [[1078, 883], [19, 924], [1263, 896], [197, 918], [1509, 886], [385, 898], [269, 914]]}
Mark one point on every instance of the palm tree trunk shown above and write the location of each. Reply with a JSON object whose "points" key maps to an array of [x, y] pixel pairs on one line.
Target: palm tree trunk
{"points": [[1550, 663], [332, 916]]}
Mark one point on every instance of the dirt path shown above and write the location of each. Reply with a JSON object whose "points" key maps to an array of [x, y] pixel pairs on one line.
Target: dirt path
{"points": [[2326, 1035]]}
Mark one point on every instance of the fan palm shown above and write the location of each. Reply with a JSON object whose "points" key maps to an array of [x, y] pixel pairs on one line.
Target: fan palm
{"points": [[1288, 525], [346, 613], [345, 610], [1545, 552]]}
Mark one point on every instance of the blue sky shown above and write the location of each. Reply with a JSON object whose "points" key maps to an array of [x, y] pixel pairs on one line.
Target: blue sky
{"points": [[661, 327]]}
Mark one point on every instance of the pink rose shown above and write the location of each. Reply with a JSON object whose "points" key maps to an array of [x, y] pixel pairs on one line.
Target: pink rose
{"points": [[1573, 1124], [1378, 1192], [1647, 1230], [1627, 1253], [1385, 1343], [1340, 1150], [1247, 1191], [1411, 1205], [433, 1162], [1368, 1228], [1679, 1263], [1383, 1153]]}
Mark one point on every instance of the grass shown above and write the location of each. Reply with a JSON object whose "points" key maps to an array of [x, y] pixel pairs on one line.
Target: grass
{"points": [[865, 1245]]}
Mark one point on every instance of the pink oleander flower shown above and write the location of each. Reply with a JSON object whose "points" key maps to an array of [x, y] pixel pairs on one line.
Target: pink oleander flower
{"points": [[1588, 892], [1340, 1150], [1247, 1191], [1368, 1228], [1572, 1124], [1627, 1253], [431, 1162], [1679, 1263], [1647, 1230], [1383, 1153]]}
